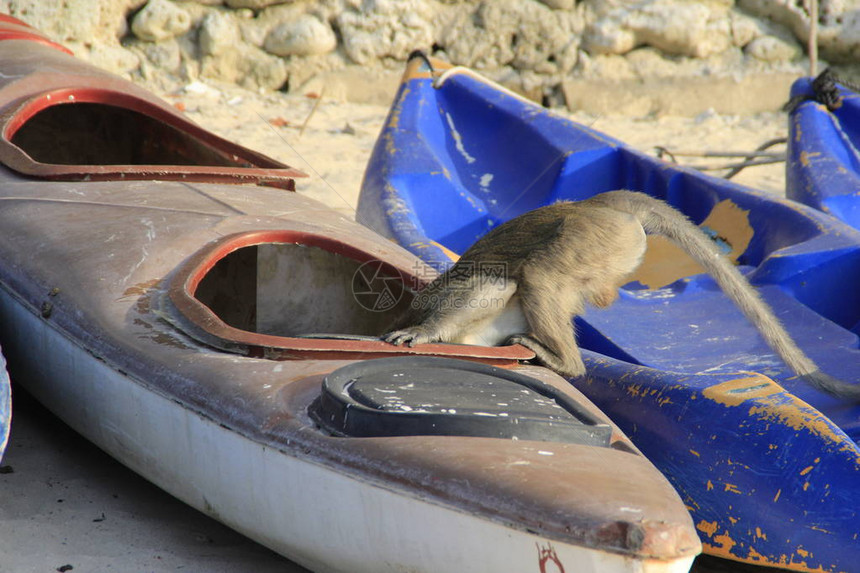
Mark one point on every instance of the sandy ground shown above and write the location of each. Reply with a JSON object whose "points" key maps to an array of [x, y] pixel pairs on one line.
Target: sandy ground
{"points": [[66, 506], [332, 140]]}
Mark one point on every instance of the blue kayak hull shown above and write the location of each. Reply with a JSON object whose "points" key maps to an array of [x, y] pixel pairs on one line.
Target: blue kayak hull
{"points": [[768, 467], [823, 162]]}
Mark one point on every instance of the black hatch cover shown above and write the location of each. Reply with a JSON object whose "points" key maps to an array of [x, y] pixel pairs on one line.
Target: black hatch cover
{"points": [[411, 396]]}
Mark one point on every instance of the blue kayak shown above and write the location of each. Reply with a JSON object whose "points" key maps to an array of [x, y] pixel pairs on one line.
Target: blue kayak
{"points": [[768, 467], [5, 406], [823, 163]]}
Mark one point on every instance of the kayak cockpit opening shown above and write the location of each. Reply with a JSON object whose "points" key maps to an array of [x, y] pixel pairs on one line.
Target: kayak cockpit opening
{"points": [[93, 133], [290, 289], [291, 294], [104, 134]]}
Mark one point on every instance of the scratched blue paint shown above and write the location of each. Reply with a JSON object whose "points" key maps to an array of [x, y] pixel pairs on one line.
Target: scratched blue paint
{"points": [[455, 160], [823, 162]]}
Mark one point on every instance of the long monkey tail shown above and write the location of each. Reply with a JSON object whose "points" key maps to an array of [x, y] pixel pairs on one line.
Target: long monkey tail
{"points": [[658, 217]]}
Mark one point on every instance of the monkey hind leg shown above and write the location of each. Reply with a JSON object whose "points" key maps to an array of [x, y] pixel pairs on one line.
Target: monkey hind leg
{"points": [[548, 312]]}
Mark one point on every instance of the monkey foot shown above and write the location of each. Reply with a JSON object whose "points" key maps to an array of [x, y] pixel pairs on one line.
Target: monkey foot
{"points": [[571, 368]]}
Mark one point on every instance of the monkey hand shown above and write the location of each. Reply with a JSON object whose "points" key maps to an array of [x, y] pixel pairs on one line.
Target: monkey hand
{"points": [[409, 336]]}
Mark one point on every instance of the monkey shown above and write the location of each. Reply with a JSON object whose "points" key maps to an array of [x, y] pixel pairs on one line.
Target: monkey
{"points": [[559, 257]]}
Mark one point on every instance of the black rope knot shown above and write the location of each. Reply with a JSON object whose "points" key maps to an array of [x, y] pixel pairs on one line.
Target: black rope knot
{"points": [[824, 91]]}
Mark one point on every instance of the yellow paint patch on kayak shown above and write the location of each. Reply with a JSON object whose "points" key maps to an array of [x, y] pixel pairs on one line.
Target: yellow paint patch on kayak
{"points": [[776, 497], [805, 157], [806, 470], [796, 414], [731, 488], [738, 391], [756, 557], [695, 453], [448, 252], [708, 527], [397, 108], [769, 402], [725, 541], [665, 263], [710, 485], [759, 534]]}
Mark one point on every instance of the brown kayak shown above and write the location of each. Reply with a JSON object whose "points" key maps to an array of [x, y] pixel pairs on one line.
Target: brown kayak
{"points": [[216, 336]]}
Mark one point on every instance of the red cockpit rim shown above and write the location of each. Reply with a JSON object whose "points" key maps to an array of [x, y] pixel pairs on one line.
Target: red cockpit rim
{"points": [[199, 321], [12, 28], [260, 169]]}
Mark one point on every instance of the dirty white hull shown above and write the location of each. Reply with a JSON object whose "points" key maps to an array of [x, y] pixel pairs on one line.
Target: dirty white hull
{"points": [[322, 519]]}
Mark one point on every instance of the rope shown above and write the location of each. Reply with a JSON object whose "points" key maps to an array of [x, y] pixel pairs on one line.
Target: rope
{"points": [[824, 91], [748, 158], [751, 161]]}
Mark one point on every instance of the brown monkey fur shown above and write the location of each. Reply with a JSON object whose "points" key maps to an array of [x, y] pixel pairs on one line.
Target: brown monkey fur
{"points": [[559, 257]]}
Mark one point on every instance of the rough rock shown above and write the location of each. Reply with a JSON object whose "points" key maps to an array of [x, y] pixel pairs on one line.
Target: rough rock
{"points": [[83, 21], [386, 29], [839, 24], [744, 28], [254, 4], [694, 29], [256, 26], [305, 36], [218, 33], [160, 20], [499, 33], [560, 4], [165, 55], [247, 66], [115, 59], [531, 46], [773, 49]]}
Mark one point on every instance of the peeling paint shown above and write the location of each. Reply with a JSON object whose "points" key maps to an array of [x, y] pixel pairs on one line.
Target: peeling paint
{"points": [[665, 263], [458, 139], [708, 527], [735, 392], [726, 543], [806, 156], [730, 487]]}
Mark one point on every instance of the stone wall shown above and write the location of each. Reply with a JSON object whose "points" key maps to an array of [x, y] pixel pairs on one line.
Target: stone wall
{"points": [[535, 47]]}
